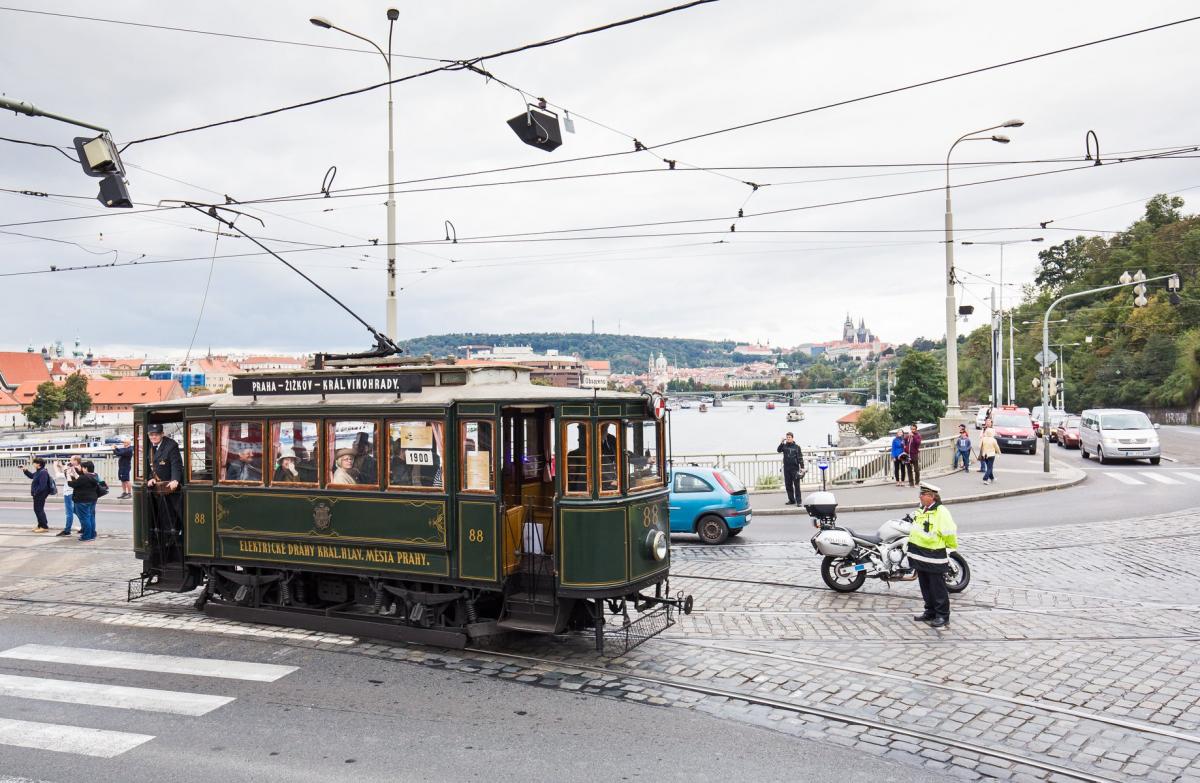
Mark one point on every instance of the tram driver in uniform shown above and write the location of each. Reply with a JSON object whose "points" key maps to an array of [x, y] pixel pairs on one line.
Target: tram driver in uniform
{"points": [[166, 464]]}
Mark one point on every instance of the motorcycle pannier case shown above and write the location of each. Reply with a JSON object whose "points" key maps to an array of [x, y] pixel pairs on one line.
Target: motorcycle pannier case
{"points": [[836, 543]]}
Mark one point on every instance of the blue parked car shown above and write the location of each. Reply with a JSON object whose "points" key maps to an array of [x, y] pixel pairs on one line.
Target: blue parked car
{"points": [[710, 502]]}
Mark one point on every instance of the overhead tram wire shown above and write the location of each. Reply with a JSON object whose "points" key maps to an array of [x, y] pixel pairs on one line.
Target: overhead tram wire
{"points": [[253, 38], [448, 66]]}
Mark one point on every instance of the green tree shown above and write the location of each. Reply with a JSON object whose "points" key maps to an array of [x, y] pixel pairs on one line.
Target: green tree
{"points": [[920, 392], [874, 422], [46, 405], [75, 396]]}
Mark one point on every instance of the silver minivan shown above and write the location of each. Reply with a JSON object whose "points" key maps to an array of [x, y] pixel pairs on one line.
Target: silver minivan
{"points": [[1114, 433]]}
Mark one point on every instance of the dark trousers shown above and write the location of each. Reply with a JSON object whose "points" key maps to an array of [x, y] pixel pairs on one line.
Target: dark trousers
{"points": [[933, 590], [39, 511], [898, 470], [791, 482], [914, 472]]}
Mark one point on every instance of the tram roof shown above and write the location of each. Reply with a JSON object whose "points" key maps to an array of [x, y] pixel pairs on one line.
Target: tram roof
{"points": [[451, 383]]}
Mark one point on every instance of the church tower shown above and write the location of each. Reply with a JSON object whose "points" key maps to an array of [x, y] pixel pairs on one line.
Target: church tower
{"points": [[848, 330]]}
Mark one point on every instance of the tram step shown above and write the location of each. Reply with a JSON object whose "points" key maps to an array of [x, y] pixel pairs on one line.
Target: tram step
{"points": [[530, 623]]}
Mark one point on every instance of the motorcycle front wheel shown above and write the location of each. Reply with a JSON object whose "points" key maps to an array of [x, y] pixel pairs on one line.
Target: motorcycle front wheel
{"points": [[842, 584], [959, 575]]}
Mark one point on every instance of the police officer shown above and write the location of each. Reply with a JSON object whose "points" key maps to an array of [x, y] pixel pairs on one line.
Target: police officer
{"points": [[793, 467], [933, 535]]}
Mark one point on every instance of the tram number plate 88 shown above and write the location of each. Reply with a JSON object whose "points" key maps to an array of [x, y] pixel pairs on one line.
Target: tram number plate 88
{"points": [[418, 457]]}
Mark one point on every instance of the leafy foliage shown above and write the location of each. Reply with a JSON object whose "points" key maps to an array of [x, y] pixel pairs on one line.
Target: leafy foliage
{"points": [[920, 392], [46, 405], [875, 421], [75, 396], [1126, 356]]}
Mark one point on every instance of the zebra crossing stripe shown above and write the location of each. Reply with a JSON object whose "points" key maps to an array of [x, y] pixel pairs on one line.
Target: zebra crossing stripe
{"points": [[79, 740], [1192, 476], [1161, 479], [165, 664], [116, 696], [1124, 479]]}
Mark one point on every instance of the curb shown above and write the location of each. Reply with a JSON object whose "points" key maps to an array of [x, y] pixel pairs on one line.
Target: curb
{"points": [[1008, 493]]}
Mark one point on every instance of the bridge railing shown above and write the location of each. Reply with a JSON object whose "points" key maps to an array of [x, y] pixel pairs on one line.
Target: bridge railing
{"points": [[847, 466], [10, 470]]}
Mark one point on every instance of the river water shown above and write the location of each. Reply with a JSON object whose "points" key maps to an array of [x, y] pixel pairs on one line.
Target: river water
{"points": [[736, 428]]}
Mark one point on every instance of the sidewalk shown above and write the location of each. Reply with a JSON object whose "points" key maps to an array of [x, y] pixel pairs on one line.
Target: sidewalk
{"points": [[19, 493], [957, 487]]}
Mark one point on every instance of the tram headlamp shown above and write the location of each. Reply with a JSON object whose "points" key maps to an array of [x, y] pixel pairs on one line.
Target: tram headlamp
{"points": [[658, 544]]}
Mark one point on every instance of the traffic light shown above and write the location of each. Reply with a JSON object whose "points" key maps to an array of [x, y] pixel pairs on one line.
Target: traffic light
{"points": [[99, 158]]}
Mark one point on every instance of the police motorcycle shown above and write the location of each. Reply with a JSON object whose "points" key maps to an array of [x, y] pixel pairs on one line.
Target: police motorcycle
{"points": [[849, 557]]}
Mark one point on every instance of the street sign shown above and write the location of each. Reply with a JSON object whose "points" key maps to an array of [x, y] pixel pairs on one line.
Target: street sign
{"points": [[1046, 358]]}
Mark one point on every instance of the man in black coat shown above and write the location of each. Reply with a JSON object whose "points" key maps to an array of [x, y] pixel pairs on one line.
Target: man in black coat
{"points": [[793, 468], [165, 477]]}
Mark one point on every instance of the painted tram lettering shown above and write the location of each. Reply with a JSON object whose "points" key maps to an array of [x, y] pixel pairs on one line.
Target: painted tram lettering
{"points": [[339, 553]]}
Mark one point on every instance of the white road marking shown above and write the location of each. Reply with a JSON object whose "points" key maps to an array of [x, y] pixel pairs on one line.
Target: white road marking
{"points": [[1118, 476], [167, 664], [1192, 476], [79, 740], [117, 696], [1161, 479]]}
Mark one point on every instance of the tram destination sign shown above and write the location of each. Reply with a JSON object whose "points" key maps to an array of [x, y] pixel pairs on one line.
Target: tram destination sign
{"points": [[374, 383]]}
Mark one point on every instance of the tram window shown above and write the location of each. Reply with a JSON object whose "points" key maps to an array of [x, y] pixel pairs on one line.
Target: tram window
{"points": [[352, 448], [138, 452], [610, 447], [241, 452], [294, 456], [476, 450], [641, 451], [200, 451], [415, 451], [578, 473]]}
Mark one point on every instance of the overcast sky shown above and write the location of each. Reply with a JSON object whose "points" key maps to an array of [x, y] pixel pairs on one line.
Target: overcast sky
{"points": [[690, 72]]}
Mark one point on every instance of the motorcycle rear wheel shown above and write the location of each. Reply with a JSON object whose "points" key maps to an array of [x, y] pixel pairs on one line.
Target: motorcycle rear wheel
{"points": [[959, 575], [841, 584]]}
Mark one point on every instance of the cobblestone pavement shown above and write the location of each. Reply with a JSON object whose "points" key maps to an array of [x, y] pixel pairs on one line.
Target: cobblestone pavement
{"points": [[1078, 647]]}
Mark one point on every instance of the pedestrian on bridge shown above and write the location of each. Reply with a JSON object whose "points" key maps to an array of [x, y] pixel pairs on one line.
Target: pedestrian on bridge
{"points": [[39, 489], [988, 449], [793, 467], [914, 456], [962, 449], [124, 455], [899, 460], [68, 492]]}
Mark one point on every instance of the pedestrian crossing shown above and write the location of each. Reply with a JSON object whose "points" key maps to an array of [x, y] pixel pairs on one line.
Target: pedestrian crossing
{"points": [[1144, 477], [101, 742]]}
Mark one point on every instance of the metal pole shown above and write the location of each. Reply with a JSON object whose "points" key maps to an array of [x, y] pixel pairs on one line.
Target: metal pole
{"points": [[1000, 396], [951, 334], [391, 202], [1012, 364], [24, 107], [997, 381]]}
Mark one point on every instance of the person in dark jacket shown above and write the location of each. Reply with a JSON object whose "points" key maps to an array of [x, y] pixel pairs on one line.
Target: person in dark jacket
{"points": [[914, 457], [124, 454], [39, 488], [793, 467], [87, 491], [165, 478], [899, 467]]}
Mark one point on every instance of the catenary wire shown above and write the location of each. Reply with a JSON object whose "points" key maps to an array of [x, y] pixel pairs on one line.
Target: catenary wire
{"points": [[254, 38]]}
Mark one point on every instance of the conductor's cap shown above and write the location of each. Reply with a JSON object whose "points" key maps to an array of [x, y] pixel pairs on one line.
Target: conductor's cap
{"points": [[154, 428]]}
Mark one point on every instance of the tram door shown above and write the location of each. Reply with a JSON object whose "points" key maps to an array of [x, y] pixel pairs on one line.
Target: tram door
{"points": [[162, 511], [527, 487]]}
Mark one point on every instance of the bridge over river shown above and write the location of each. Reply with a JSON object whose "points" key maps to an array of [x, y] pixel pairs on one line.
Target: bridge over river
{"points": [[789, 396]]}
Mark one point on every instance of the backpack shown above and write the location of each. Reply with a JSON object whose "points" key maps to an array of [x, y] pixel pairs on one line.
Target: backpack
{"points": [[101, 488], [53, 484]]}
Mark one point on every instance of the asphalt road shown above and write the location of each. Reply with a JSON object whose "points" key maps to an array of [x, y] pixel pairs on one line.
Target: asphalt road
{"points": [[340, 715]]}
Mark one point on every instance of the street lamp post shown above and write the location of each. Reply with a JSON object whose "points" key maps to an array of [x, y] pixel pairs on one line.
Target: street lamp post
{"points": [[392, 15], [1060, 373], [952, 409], [1012, 375]]}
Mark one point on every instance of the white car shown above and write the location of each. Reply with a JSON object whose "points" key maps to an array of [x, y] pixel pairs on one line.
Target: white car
{"points": [[1114, 433], [981, 417]]}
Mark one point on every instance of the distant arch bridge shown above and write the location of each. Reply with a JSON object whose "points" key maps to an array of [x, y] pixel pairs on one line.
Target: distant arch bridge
{"points": [[790, 396]]}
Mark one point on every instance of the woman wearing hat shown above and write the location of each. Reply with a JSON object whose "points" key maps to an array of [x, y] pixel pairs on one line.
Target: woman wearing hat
{"points": [[933, 535], [343, 467], [286, 469]]}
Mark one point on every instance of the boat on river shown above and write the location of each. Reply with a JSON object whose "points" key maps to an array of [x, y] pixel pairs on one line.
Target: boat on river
{"points": [[770, 405], [795, 414], [703, 408]]}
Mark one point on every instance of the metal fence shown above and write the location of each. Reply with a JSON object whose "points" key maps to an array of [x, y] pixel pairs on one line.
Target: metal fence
{"points": [[847, 466], [10, 469]]}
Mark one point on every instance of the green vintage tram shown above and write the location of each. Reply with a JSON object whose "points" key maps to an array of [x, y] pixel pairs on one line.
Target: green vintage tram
{"points": [[444, 502]]}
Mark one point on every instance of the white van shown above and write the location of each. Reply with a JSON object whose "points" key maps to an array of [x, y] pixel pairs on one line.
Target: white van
{"points": [[1114, 433]]}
